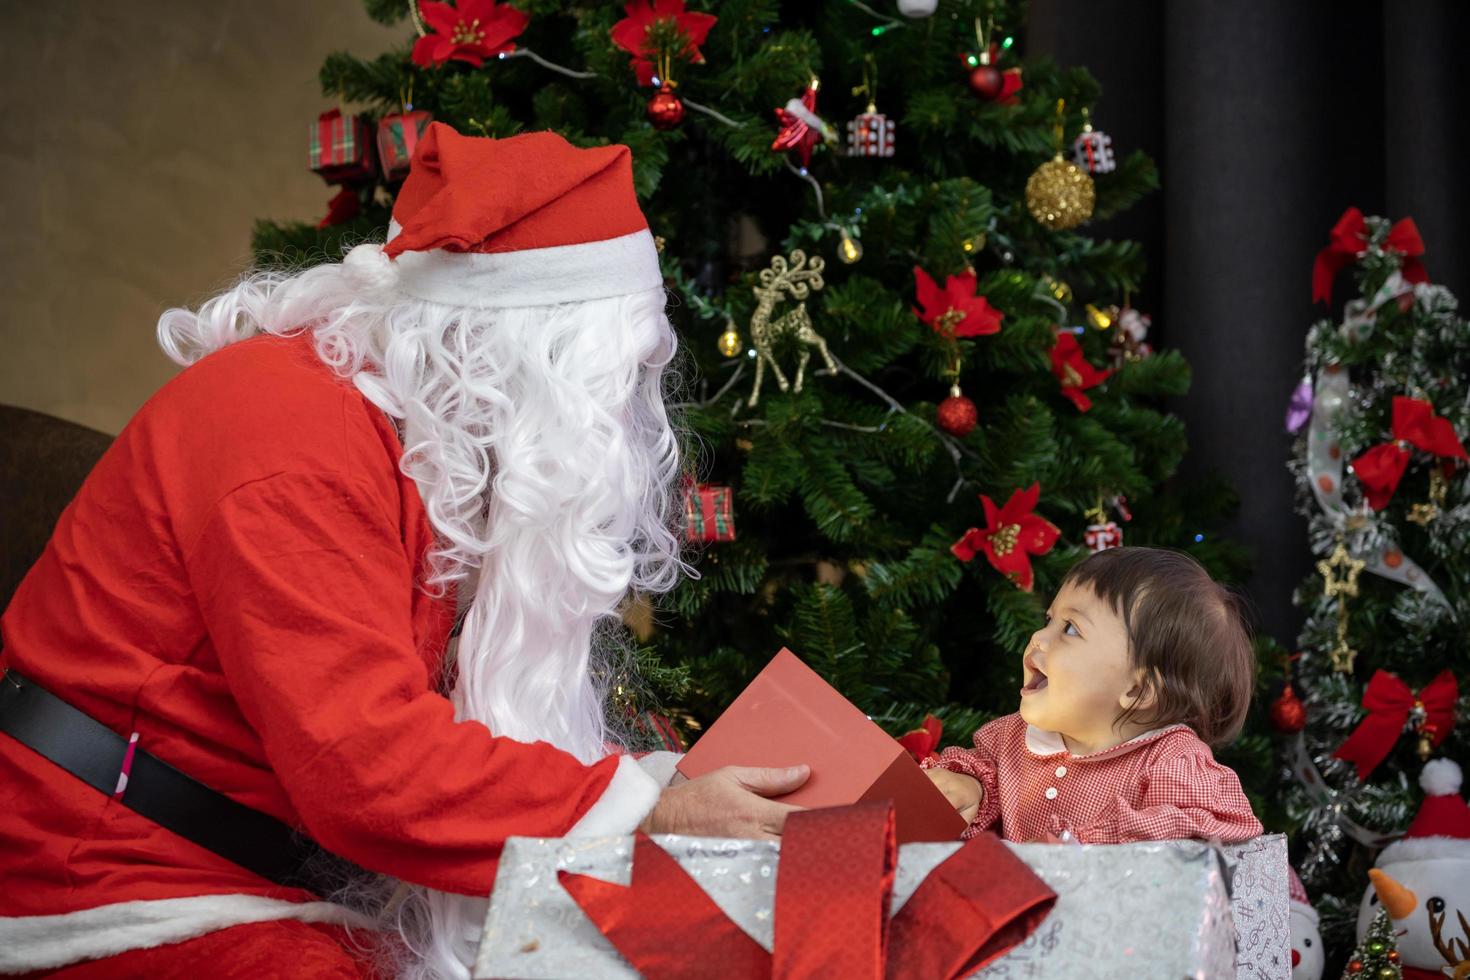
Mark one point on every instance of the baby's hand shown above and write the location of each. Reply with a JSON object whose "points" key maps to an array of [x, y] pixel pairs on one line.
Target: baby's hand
{"points": [[963, 792]]}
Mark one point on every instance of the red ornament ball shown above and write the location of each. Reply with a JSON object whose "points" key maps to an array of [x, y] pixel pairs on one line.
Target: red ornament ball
{"points": [[1355, 966], [1288, 714], [665, 109], [957, 415], [1393, 955], [986, 81]]}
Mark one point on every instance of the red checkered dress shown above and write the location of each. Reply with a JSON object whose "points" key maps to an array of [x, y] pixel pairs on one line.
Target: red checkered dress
{"points": [[1162, 785]]}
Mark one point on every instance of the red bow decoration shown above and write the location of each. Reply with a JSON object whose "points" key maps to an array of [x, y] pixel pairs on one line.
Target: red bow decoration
{"points": [[796, 133], [1414, 424], [1389, 702], [1350, 239], [472, 31], [833, 888], [661, 29], [1012, 534], [955, 310], [922, 742], [1074, 371]]}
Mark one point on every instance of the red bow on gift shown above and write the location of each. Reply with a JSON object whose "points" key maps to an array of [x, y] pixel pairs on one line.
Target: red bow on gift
{"points": [[1389, 702], [833, 887], [1350, 239], [1414, 424], [922, 741]]}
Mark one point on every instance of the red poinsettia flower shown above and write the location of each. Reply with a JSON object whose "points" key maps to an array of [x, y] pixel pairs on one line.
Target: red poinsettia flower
{"points": [[632, 33], [1012, 534], [955, 310], [922, 742], [1074, 371], [473, 31]]}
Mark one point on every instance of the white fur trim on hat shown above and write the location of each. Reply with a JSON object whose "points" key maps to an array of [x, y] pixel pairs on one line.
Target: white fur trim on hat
{"points": [[46, 942], [618, 266]]}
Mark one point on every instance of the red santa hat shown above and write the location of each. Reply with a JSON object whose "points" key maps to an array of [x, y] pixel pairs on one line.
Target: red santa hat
{"points": [[526, 221], [1442, 827]]}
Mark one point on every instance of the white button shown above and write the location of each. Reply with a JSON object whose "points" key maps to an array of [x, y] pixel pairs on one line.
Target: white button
{"points": [[1051, 792], [1061, 771]]}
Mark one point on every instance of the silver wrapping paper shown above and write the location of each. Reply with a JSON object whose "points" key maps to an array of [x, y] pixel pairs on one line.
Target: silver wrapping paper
{"points": [[1258, 904], [1123, 911]]}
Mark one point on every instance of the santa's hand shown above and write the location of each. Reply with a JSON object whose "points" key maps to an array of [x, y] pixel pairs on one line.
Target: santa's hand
{"points": [[729, 802], [963, 792]]}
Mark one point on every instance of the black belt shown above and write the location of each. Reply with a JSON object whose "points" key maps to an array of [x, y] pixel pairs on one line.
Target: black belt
{"points": [[95, 754]]}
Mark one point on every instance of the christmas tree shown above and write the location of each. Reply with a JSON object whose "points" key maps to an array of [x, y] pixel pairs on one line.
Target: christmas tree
{"points": [[1377, 955], [917, 390], [1380, 468]]}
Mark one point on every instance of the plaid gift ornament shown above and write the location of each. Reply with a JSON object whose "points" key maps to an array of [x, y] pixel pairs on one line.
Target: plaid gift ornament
{"points": [[1101, 537], [708, 513], [870, 134], [341, 148], [398, 134], [1092, 151]]}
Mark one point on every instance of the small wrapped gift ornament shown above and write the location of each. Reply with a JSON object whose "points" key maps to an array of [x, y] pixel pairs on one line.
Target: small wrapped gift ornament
{"points": [[1092, 151], [870, 134], [398, 134], [340, 148], [709, 513], [1101, 537]]}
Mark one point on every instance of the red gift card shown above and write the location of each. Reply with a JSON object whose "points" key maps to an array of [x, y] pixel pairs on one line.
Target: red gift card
{"points": [[788, 715]]}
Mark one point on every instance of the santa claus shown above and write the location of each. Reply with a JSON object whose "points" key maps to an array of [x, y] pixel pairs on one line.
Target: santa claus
{"points": [[232, 671]]}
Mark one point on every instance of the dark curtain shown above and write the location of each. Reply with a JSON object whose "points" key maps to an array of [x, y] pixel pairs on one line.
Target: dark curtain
{"points": [[1268, 118]]}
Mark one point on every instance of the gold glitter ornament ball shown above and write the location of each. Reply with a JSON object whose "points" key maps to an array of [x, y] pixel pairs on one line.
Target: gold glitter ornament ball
{"points": [[1060, 195]]}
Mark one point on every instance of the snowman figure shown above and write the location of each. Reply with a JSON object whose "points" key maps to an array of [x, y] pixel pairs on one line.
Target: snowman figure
{"points": [[1307, 955], [1423, 880]]}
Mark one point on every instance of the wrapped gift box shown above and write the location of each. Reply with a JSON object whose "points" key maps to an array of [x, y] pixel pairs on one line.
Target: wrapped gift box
{"points": [[789, 715], [1123, 911]]}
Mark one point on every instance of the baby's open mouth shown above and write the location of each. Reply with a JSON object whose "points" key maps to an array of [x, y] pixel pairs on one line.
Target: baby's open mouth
{"points": [[1035, 680]]}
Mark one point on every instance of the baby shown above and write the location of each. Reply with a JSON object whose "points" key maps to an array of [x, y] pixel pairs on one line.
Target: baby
{"points": [[1143, 664]]}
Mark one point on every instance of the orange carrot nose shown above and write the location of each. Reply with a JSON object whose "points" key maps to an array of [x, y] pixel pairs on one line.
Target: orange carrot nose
{"points": [[1399, 900]]}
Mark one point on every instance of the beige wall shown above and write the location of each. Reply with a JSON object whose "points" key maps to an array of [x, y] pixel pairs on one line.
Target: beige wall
{"points": [[139, 142]]}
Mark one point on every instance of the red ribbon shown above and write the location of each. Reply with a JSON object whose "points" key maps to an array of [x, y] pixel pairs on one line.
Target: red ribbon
{"points": [[833, 888], [922, 742], [1349, 239], [1389, 701], [1414, 423]]}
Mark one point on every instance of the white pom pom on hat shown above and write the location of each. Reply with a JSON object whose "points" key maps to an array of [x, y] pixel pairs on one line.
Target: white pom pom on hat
{"points": [[369, 268], [1441, 777]]}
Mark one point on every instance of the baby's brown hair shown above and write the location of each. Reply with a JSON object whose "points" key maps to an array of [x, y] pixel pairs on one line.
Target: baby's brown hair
{"points": [[1187, 632]]}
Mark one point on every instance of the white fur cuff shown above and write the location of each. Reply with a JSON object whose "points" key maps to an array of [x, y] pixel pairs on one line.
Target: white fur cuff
{"points": [[46, 942], [623, 805]]}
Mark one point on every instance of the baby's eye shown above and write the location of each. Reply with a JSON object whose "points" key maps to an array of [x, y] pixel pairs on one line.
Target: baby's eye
{"points": [[1071, 629]]}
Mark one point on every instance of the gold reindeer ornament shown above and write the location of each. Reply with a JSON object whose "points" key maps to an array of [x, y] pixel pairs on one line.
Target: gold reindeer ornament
{"points": [[797, 276]]}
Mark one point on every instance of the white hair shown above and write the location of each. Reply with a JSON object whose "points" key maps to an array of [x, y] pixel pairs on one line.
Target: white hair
{"points": [[540, 444]]}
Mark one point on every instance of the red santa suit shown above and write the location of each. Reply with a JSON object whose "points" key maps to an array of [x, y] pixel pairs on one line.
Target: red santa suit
{"points": [[237, 582]]}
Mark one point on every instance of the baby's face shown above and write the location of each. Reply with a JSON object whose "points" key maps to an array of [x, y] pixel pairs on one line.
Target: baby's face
{"points": [[1077, 676]]}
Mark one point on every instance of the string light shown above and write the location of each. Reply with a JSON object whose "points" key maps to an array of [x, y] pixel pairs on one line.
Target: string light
{"points": [[849, 250]]}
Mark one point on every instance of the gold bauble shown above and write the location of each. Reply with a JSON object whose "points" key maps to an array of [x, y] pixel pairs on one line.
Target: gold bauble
{"points": [[1060, 195], [730, 342], [1060, 290]]}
